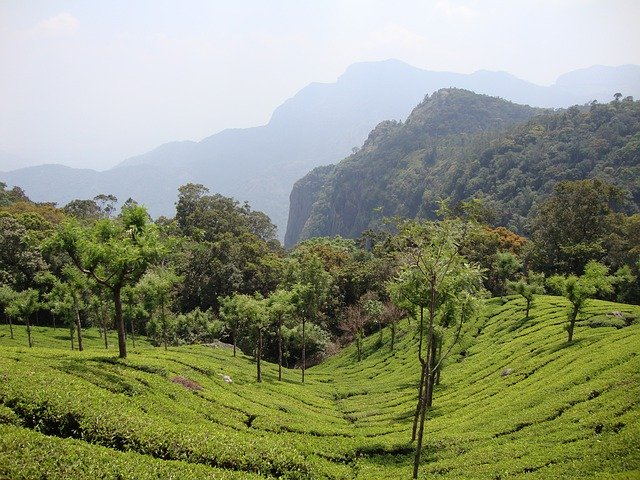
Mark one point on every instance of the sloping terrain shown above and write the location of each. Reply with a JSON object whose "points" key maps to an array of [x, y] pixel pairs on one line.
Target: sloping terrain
{"points": [[515, 401]]}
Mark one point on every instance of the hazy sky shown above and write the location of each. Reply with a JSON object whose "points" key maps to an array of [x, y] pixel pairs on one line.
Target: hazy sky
{"points": [[90, 83]]}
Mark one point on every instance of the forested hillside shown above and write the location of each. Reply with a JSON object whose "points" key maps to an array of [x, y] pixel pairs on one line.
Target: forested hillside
{"points": [[459, 145]]}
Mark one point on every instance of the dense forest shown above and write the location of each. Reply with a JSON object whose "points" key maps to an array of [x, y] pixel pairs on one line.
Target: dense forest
{"points": [[458, 145], [216, 271]]}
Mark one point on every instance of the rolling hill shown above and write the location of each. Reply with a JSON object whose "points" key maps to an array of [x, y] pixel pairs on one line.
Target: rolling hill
{"points": [[515, 401]]}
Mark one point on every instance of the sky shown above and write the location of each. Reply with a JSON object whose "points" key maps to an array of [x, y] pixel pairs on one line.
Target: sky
{"points": [[91, 83]]}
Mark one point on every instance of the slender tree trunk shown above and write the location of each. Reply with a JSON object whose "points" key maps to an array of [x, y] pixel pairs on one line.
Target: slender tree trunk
{"points": [[122, 341], [304, 349], [133, 333], [29, 331], [233, 334], [72, 328], [572, 322], [433, 348], [10, 326], [103, 316], [279, 352], [163, 318], [393, 335], [438, 358], [259, 356], [77, 321], [416, 416], [428, 391]]}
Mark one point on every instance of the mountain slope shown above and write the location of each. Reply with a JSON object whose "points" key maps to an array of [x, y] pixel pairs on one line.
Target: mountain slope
{"points": [[318, 126], [561, 411], [460, 145]]}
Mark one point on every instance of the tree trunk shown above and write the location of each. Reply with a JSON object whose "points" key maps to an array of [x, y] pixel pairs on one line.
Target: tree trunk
{"points": [[259, 356], [78, 324], [393, 335], [10, 327], [572, 322], [103, 315], [233, 334], [304, 348], [29, 331], [423, 412], [428, 391], [438, 355], [122, 341], [53, 317], [280, 352], [416, 416], [133, 333], [163, 319], [72, 332]]}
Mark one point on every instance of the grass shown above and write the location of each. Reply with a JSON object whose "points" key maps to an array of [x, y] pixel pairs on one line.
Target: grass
{"points": [[562, 411]]}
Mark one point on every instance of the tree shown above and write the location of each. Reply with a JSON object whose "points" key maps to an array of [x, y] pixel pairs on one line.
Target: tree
{"points": [[527, 287], [578, 290], [22, 305], [572, 227], [242, 309], [313, 284], [448, 284], [373, 309], [392, 314], [115, 253], [20, 259], [158, 287], [505, 265], [6, 295], [355, 319], [233, 316], [65, 299], [280, 308]]}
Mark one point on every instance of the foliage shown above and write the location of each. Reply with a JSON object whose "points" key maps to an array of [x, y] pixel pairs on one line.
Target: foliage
{"points": [[579, 289]]}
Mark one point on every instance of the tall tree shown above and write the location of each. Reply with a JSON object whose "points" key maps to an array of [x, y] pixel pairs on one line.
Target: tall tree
{"points": [[572, 227], [438, 271], [280, 308], [313, 284], [115, 253], [158, 287]]}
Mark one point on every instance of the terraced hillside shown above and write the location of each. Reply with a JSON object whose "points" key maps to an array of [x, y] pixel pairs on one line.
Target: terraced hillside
{"points": [[515, 402]]}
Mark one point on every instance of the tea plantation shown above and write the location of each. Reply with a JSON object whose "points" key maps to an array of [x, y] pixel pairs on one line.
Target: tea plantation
{"points": [[514, 401]]}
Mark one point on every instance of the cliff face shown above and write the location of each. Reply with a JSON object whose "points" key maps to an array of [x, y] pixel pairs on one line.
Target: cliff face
{"points": [[388, 175], [303, 195]]}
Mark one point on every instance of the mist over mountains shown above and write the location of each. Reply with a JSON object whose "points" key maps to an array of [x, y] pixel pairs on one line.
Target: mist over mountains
{"points": [[320, 125]]}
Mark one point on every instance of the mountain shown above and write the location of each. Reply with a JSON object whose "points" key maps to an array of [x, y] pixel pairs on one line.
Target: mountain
{"points": [[320, 125], [459, 145]]}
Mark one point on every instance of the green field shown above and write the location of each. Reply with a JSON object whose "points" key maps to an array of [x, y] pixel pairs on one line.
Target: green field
{"points": [[563, 411]]}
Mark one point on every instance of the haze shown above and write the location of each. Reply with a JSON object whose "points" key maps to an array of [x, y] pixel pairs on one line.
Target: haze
{"points": [[88, 84]]}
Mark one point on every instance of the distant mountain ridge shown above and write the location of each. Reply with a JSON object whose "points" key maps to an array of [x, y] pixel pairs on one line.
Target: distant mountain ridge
{"points": [[318, 126]]}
